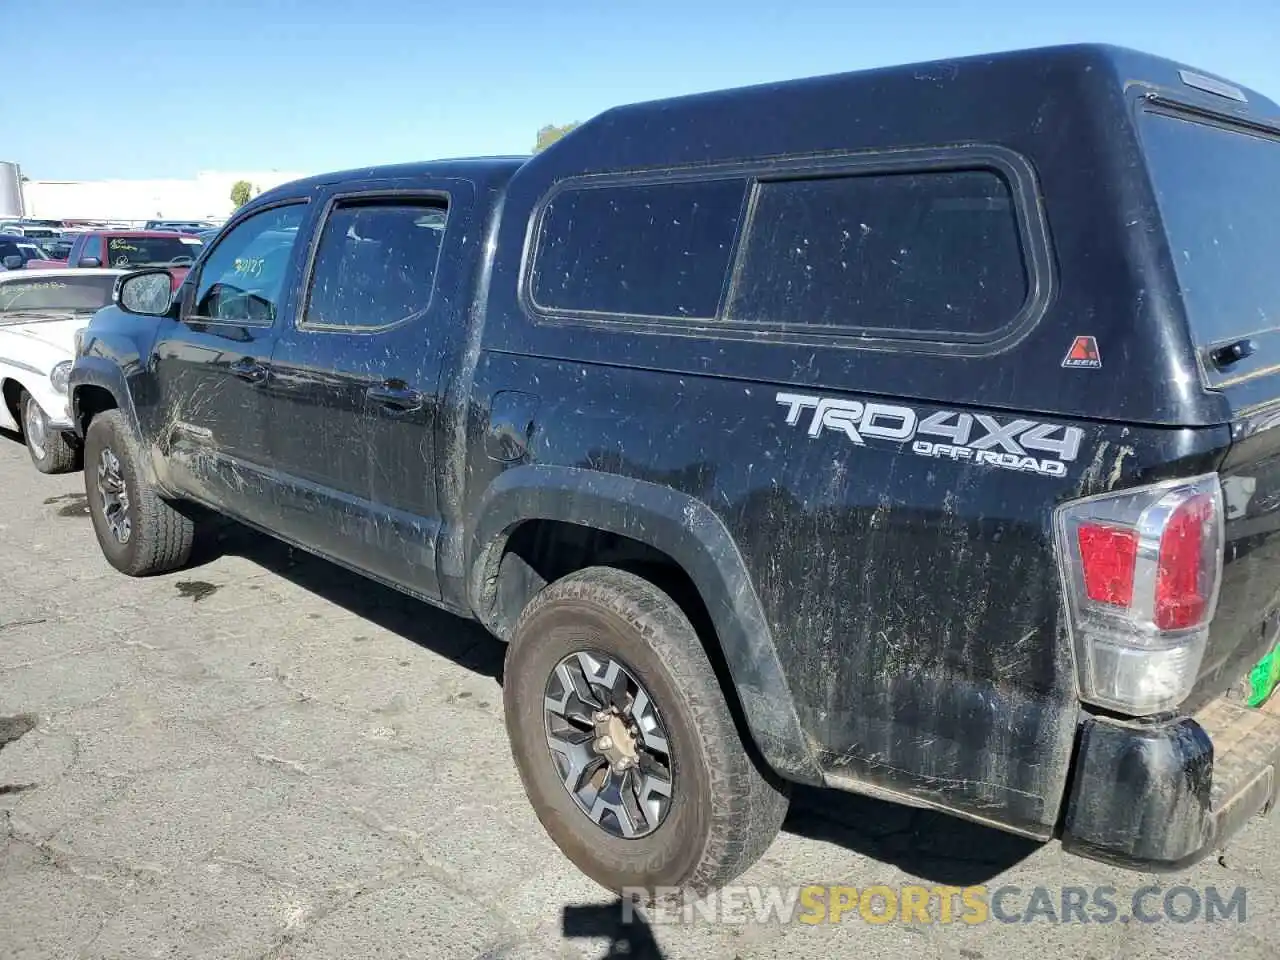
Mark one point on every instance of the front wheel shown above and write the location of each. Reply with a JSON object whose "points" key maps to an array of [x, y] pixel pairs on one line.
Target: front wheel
{"points": [[51, 450], [625, 742], [138, 531]]}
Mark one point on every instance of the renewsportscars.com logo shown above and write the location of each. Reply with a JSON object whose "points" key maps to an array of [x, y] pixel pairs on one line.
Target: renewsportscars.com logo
{"points": [[919, 904], [975, 438]]}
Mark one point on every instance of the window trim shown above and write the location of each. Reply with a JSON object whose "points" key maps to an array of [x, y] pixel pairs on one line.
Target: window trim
{"points": [[371, 196], [1012, 167], [196, 273]]}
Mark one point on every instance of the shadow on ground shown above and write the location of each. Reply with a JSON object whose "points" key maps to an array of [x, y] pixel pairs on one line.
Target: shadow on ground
{"points": [[626, 931], [938, 848], [464, 642], [933, 846]]}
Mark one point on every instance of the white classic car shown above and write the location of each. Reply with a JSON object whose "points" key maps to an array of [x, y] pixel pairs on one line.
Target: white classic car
{"points": [[40, 312]]}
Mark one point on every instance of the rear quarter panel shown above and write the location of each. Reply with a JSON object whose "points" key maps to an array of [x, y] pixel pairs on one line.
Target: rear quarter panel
{"points": [[914, 601]]}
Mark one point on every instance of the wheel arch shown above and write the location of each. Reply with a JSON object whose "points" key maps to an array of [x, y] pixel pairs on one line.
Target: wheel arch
{"points": [[98, 385], [11, 390], [673, 525]]}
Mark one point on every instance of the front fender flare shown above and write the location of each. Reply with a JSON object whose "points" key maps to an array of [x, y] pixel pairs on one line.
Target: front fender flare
{"points": [[691, 534], [90, 371], [97, 372]]}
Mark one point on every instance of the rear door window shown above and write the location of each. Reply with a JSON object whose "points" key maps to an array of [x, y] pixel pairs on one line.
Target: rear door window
{"points": [[375, 265]]}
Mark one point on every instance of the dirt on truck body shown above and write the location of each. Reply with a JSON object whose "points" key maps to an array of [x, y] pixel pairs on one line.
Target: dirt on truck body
{"points": [[910, 432]]}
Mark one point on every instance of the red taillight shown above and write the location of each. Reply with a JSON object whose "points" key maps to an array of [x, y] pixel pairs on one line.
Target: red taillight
{"points": [[1180, 593], [1141, 570], [1107, 556]]}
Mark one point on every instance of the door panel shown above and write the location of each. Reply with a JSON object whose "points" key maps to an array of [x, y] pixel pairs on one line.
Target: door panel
{"points": [[356, 380], [211, 366]]}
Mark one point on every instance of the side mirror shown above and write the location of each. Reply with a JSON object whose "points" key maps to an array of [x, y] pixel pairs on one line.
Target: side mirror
{"points": [[147, 292], [90, 262], [12, 263]]}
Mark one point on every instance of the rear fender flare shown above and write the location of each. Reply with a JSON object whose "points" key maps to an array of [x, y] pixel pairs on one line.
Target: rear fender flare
{"points": [[691, 534]]}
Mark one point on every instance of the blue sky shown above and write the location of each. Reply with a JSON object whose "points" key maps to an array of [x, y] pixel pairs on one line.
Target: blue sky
{"points": [[160, 88]]}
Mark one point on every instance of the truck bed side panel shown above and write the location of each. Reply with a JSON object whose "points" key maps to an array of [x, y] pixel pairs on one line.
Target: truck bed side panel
{"points": [[913, 600], [1247, 622]]}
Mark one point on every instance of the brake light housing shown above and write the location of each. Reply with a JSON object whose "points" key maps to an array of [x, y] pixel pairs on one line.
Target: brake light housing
{"points": [[1141, 570]]}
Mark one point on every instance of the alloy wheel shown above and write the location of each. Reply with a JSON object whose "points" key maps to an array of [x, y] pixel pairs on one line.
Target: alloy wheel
{"points": [[115, 496], [609, 745]]}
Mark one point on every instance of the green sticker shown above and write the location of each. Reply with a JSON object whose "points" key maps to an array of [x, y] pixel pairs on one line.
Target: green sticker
{"points": [[1264, 677]]}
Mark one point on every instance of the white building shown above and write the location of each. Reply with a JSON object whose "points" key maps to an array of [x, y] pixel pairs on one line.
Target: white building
{"points": [[207, 196]]}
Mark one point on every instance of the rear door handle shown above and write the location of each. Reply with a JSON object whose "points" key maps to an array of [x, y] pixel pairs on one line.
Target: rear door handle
{"points": [[395, 397], [250, 370]]}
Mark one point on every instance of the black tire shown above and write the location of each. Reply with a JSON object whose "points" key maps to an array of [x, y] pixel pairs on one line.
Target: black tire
{"points": [[159, 537], [724, 812], [60, 454]]}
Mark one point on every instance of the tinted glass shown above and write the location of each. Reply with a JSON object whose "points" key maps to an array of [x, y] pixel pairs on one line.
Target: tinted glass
{"points": [[376, 264], [241, 282], [1219, 196], [934, 254], [74, 294], [649, 250], [134, 252], [92, 248]]}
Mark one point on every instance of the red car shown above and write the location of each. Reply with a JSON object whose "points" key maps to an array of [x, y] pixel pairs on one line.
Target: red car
{"points": [[130, 250]]}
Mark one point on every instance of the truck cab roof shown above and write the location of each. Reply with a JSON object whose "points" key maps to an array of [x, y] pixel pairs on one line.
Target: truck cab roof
{"points": [[489, 171]]}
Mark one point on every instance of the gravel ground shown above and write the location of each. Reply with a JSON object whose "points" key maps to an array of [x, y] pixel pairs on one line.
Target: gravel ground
{"points": [[264, 756]]}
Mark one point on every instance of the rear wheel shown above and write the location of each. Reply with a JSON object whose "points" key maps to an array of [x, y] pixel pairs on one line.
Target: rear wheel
{"points": [[625, 742], [52, 451], [139, 533]]}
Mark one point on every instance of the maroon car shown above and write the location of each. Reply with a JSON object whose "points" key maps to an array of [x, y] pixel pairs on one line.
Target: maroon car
{"points": [[130, 250]]}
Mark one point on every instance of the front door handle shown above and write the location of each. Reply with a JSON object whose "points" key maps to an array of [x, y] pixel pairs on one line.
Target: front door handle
{"points": [[250, 370], [395, 396]]}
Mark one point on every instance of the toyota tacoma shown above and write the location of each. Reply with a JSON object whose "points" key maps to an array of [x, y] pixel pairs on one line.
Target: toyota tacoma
{"points": [[912, 432]]}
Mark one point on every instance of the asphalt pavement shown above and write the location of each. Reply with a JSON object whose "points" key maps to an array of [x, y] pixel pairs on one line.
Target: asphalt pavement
{"points": [[265, 756]]}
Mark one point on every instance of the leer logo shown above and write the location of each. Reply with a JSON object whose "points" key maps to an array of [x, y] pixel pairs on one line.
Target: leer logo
{"points": [[1083, 353]]}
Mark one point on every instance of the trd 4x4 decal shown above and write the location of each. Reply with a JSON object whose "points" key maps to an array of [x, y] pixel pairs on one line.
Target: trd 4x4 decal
{"points": [[975, 438]]}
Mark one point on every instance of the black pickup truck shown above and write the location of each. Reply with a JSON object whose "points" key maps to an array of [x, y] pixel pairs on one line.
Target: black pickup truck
{"points": [[912, 432]]}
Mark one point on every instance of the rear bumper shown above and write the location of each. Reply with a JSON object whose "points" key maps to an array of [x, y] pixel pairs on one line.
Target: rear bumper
{"points": [[1163, 796]]}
